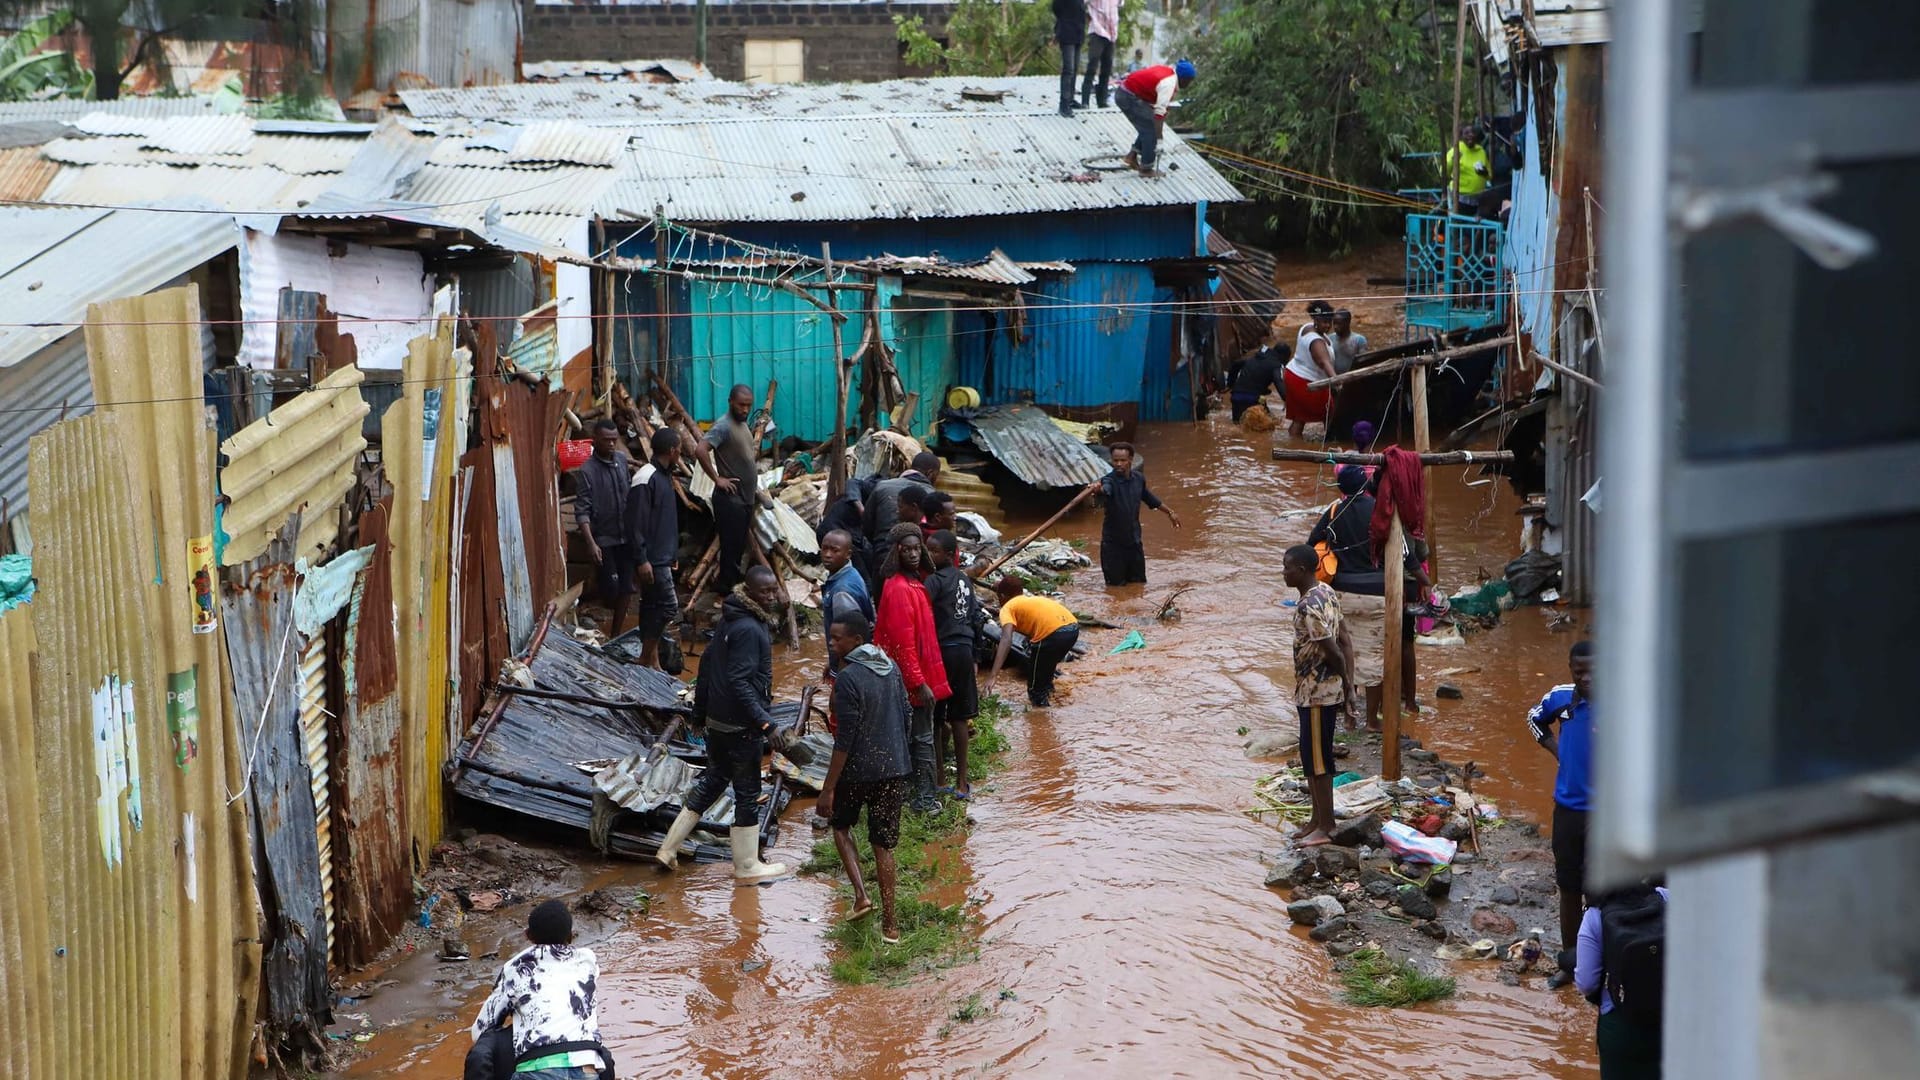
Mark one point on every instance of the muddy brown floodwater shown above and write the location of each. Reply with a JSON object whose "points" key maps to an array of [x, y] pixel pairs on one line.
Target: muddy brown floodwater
{"points": [[1116, 877]]}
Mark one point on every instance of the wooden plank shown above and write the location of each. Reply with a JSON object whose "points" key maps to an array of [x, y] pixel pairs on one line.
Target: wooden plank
{"points": [[1394, 663], [1423, 444], [1395, 366], [1443, 457]]}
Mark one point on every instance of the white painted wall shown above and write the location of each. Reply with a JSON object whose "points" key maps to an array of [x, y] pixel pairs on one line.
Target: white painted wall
{"points": [[383, 296]]}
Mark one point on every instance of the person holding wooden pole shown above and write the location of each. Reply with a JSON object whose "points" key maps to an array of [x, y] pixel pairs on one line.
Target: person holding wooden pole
{"points": [[733, 447], [1312, 361]]}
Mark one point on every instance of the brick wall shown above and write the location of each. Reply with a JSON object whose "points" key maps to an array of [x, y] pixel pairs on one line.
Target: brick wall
{"points": [[845, 42]]}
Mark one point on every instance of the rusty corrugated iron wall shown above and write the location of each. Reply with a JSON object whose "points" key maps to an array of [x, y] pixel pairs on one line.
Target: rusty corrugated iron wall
{"points": [[300, 459], [418, 451], [200, 937], [373, 890], [256, 602], [139, 934]]}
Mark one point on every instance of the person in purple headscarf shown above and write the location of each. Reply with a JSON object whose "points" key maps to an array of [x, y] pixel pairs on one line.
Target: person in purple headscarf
{"points": [[1363, 444]]}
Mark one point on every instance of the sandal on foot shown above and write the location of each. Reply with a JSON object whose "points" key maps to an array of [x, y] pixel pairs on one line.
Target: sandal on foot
{"points": [[893, 940], [860, 912]]}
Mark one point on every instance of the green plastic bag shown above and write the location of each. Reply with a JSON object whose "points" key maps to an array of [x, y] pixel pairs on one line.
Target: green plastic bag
{"points": [[1132, 641]]}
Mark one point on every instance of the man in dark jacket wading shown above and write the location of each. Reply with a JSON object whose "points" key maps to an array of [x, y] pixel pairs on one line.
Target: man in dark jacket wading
{"points": [[733, 697], [870, 762]]}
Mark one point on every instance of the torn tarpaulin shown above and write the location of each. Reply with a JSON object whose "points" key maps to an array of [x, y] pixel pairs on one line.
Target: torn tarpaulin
{"points": [[325, 589]]}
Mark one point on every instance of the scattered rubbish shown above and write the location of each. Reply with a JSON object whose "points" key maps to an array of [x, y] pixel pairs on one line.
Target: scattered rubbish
{"points": [[1345, 778], [16, 581], [452, 949], [751, 966], [1132, 641], [485, 900], [1448, 691], [1444, 636], [1412, 846], [974, 524], [1484, 949]]}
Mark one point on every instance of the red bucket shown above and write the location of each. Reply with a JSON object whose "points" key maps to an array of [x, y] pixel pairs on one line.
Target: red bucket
{"points": [[574, 453]]}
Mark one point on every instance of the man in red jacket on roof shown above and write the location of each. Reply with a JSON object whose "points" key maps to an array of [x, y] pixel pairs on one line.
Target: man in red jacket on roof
{"points": [[1144, 96]]}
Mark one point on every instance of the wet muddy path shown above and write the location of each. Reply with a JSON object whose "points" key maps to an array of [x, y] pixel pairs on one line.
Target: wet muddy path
{"points": [[1115, 875]]}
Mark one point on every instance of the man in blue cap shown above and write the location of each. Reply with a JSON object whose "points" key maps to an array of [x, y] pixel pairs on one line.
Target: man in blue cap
{"points": [[1144, 96]]}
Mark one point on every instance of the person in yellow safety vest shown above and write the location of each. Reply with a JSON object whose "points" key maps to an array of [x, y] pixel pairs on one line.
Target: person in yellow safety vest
{"points": [[1476, 168]]}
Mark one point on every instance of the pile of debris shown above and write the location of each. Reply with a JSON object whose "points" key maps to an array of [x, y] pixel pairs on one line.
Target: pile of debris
{"points": [[1421, 868]]}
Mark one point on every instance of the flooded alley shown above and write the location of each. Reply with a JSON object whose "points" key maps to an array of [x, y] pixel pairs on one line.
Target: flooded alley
{"points": [[1125, 930]]}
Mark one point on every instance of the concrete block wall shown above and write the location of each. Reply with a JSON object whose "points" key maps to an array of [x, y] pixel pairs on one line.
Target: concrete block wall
{"points": [[845, 42]]}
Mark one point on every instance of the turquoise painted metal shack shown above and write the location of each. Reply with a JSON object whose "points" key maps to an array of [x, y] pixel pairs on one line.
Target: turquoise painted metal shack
{"points": [[990, 251]]}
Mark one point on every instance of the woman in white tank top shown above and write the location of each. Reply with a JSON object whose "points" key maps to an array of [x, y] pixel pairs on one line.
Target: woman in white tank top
{"points": [[1312, 359]]}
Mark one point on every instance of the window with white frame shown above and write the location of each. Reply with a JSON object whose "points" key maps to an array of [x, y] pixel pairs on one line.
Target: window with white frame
{"points": [[780, 60], [1761, 440]]}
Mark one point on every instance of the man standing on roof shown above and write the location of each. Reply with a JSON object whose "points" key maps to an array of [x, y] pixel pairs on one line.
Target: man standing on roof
{"points": [[1103, 29], [1123, 559], [1144, 96], [1070, 32], [730, 452]]}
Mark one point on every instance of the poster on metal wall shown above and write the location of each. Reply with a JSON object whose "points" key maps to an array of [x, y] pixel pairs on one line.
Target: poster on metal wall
{"points": [[200, 572]]}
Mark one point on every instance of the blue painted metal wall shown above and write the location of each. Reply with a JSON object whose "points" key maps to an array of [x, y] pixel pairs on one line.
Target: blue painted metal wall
{"points": [[1166, 391], [744, 334], [1081, 345], [924, 356]]}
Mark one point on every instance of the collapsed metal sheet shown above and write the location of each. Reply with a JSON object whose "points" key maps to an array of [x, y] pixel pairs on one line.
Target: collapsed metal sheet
{"points": [[530, 757], [1026, 440]]}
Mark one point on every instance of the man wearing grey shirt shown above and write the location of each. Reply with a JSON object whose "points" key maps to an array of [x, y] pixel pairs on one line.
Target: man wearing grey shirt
{"points": [[1347, 345], [733, 447]]}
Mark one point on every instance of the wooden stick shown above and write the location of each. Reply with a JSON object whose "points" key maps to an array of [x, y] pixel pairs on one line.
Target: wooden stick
{"points": [[1391, 669], [1473, 812], [1035, 534], [1568, 372], [1453, 133], [837, 463], [1442, 457], [1423, 444], [1391, 367]]}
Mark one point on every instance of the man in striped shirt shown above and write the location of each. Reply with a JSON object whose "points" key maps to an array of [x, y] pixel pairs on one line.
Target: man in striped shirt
{"points": [[1144, 97]]}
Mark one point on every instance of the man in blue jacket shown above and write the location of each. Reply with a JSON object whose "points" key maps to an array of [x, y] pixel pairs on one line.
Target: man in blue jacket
{"points": [[1571, 706]]}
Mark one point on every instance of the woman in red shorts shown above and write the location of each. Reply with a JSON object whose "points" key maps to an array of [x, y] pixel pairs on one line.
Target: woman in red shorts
{"points": [[1312, 359]]}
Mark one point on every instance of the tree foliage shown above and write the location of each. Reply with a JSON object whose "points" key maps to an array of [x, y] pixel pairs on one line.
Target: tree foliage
{"points": [[123, 35], [30, 72], [1337, 88], [998, 37]]}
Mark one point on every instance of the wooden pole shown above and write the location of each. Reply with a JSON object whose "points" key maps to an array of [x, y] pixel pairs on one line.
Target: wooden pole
{"points": [[662, 325], [1394, 663], [603, 331], [1453, 133], [1423, 444], [1442, 457], [1392, 367], [1035, 534], [837, 453]]}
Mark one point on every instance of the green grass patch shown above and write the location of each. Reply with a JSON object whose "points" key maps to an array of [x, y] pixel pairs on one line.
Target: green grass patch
{"points": [[973, 1008], [1374, 979], [931, 937]]}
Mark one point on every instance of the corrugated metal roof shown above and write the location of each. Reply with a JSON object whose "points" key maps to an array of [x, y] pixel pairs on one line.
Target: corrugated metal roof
{"points": [[299, 458], [57, 261], [633, 102], [75, 108], [1025, 439], [255, 189], [463, 195], [49, 386], [25, 174], [995, 269], [302, 155], [217, 134], [569, 142], [855, 169], [613, 71]]}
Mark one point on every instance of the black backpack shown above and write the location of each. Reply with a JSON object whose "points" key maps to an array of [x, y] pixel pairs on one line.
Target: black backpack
{"points": [[1633, 937]]}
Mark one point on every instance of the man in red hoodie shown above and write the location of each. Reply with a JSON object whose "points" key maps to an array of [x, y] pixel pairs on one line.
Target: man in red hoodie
{"points": [[904, 630], [1144, 97]]}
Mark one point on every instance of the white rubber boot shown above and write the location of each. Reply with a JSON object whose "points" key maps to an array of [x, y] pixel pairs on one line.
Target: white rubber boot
{"points": [[747, 867], [669, 854]]}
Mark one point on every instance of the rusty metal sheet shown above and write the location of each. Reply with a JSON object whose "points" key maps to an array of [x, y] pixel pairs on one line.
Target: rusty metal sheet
{"points": [[314, 664], [484, 644], [373, 890], [298, 459], [529, 759], [148, 350], [256, 603], [1027, 441]]}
